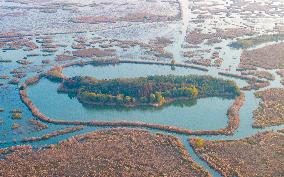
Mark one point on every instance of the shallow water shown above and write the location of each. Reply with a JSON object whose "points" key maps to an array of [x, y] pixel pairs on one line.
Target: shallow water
{"points": [[127, 70]]}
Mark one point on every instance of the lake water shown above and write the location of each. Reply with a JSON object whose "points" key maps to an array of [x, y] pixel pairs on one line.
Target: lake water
{"points": [[189, 115], [202, 114]]}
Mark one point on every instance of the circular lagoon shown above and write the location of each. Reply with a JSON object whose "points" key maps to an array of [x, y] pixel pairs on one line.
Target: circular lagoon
{"points": [[203, 114]]}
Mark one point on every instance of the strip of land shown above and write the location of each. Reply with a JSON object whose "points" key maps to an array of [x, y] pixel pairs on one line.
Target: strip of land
{"points": [[53, 134]]}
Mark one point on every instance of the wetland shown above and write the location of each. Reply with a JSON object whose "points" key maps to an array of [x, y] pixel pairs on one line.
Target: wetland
{"points": [[141, 88]]}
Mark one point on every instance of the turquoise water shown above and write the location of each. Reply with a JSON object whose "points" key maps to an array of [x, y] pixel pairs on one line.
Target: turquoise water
{"points": [[9, 100], [127, 70], [203, 114], [188, 115]]}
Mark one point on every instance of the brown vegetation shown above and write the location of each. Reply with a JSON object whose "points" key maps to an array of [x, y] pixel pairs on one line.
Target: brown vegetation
{"points": [[64, 58], [197, 37], [260, 74], [114, 152], [269, 57], [260, 155], [202, 62], [4, 77], [130, 17], [37, 125], [93, 52], [271, 110], [15, 126], [281, 73], [14, 41], [55, 74], [253, 83], [16, 114]]}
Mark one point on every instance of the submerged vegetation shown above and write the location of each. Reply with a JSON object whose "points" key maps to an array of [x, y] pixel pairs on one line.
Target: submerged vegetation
{"points": [[151, 90], [16, 114]]}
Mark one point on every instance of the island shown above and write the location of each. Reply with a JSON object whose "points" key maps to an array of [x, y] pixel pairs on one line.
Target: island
{"points": [[146, 91]]}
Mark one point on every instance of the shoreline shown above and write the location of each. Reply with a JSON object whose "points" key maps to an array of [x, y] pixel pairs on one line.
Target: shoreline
{"points": [[233, 114]]}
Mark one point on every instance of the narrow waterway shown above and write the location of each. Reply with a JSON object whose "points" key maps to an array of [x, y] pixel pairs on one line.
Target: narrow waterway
{"points": [[176, 47]]}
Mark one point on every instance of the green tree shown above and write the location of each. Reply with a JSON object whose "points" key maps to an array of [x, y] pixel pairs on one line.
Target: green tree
{"points": [[152, 98], [159, 98], [173, 62]]}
